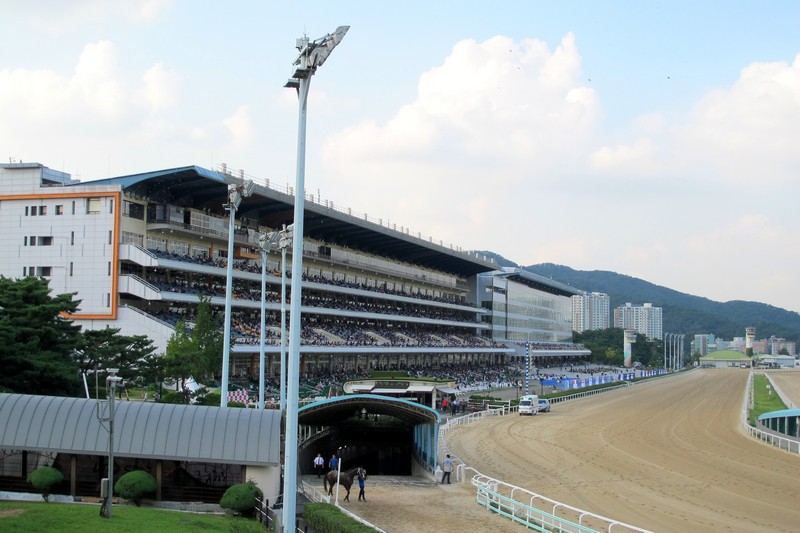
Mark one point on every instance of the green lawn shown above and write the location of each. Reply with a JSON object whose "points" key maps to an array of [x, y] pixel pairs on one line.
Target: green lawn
{"points": [[763, 401], [47, 517]]}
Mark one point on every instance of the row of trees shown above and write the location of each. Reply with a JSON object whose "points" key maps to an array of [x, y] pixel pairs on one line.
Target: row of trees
{"points": [[607, 347], [43, 352]]}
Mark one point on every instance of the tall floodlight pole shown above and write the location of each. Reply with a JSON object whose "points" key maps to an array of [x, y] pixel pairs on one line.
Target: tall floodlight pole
{"points": [[284, 242], [312, 55], [266, 242], [236, 193]]}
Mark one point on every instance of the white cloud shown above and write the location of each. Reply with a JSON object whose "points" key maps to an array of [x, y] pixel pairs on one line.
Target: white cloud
{"points": [[638, 159], [240, 128], [161, 86], [747, 133]]}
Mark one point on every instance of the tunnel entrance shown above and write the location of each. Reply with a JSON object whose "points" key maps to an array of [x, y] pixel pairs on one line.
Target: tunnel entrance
{"points": [[380, 433]]}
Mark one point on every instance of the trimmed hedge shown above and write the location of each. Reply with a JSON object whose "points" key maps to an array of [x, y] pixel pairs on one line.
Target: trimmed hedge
{"points": [[43, 479], [327, 518], [241, 498], [134, 485]]}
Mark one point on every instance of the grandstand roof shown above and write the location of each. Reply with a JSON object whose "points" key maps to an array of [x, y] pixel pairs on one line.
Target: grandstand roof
{"points": [[200, 188], [538, 282], [141, 429]]}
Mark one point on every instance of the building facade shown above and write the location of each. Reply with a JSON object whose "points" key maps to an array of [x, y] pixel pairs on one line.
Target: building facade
{"points": [[141, 251], [645, 319], [591, 310]]}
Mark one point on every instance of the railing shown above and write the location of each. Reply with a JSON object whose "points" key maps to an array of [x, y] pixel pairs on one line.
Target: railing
{"points": [[148, 315], [782, 442], [327, 204]]}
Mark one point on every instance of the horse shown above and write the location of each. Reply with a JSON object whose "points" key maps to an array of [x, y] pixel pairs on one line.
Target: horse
{"points": [[345, 479]]}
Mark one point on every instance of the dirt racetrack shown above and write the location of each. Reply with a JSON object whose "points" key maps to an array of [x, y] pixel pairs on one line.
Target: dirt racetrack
{"points": [[666, 456]]}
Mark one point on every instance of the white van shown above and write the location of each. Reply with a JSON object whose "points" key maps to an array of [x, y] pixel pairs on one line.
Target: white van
{"points": [[528, 404]]}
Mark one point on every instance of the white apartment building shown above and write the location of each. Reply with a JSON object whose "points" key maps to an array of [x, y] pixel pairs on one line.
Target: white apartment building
{"points": [[591, 310], [645, 319]]}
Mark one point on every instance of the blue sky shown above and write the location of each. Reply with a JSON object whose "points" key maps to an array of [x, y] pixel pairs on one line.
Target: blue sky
{"points": [[654, 140]]}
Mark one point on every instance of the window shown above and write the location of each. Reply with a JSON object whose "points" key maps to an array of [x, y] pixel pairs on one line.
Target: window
{"points": [[109, 268], [43, 210], [72, 238], [70, 268], [34, 210], [108, 299], [59, 210], [133, 210], [26, 210], [44, 271], [25, 241], [111, 206], [31, 271], [109, 236], [33, 240], [73, 207], [45, 241], [93, 206]]}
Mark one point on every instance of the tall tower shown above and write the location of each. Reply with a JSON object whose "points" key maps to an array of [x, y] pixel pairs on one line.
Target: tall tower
{"points": [[630, 338], [749, 337]]}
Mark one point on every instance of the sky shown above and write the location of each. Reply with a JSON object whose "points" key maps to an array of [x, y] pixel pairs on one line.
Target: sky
{"points": [[656, 140]]}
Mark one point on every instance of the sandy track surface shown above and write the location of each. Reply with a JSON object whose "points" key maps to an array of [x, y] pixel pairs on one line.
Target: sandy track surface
{"points": [[666, 456], [789, 383]]}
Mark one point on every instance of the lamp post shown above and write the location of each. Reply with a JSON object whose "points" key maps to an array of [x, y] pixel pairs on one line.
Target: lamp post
{"points": [[236, 193], [312, 55], [338, 473], [284, 242], [266, 242], [111, 391]]}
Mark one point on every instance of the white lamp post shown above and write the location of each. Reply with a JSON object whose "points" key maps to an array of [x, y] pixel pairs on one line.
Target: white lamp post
{"points": [[312, 55], [266, 242], [236, 193], [284, 241]]}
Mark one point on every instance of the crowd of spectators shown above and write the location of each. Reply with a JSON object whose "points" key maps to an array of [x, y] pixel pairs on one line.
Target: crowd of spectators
{"points": [[379, 287]]}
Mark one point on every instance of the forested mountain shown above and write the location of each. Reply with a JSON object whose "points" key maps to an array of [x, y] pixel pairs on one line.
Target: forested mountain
{"points": [[683, 313]]}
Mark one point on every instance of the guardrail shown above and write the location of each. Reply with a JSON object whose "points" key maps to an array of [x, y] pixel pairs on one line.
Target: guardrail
{"points": [[316, 496], [778, 441]]}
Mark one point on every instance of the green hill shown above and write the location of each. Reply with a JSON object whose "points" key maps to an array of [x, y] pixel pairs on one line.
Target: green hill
{"points": [[683, 313]]}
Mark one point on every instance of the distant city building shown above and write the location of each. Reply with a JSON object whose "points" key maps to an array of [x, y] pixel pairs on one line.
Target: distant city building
{"points": [[591, 310], [703, 344], [776, 344], [645, 319]]}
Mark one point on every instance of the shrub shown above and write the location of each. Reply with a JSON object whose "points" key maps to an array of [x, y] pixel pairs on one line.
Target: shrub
{"points": [[241, 498], [43, 479], [134, 485]]}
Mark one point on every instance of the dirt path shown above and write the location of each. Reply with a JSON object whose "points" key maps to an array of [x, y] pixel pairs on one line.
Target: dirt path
{"points": [[666, 456], [789, 383]]}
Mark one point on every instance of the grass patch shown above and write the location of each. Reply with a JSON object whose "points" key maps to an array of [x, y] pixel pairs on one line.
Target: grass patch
{"points": [[32, 516], [763, 401]]}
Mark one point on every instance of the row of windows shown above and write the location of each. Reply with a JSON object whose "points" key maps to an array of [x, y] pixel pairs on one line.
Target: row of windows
{"points": [[93, 207], [47, 271], [37, 241], [48, 241]]}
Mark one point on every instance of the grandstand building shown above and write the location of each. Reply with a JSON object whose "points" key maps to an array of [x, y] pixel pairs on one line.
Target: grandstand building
{"points": [[140, 251]]}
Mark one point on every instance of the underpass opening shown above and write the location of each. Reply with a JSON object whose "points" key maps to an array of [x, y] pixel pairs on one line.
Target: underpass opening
{"points": [[385, 435]]}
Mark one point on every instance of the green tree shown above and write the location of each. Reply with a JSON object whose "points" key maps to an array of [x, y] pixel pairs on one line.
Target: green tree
{"points": [[195, 352], [37, 340], [101, 349]]}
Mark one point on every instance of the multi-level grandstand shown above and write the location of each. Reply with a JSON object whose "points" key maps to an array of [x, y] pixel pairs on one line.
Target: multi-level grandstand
{"points": [[141, 251]]}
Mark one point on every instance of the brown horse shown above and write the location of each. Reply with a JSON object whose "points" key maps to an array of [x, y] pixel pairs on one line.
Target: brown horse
{"points": [[345, 479]]}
